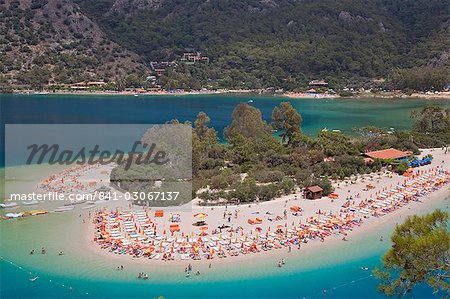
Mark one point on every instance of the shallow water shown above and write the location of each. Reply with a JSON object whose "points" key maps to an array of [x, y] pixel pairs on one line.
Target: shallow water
{"points": [[335, 269], [306, 274]]}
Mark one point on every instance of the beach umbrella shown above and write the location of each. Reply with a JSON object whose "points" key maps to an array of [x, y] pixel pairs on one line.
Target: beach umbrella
{"points": [[200, 215]]}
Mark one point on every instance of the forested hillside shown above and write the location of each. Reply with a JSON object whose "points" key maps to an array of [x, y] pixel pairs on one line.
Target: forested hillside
{"points": [[263, 43]]}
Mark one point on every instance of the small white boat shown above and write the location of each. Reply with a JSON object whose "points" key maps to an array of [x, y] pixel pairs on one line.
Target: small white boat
{"points": [[64, 209], [88, 207], [34, 279], [8, 205], [250, 101], [13, 215], [30, 203]]}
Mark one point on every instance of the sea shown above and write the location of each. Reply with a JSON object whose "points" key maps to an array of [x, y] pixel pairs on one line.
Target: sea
{"points": [[328, 272]]}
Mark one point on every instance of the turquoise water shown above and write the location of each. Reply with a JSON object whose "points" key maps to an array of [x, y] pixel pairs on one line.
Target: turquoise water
{"points": [[342, 114], [335, 269]]}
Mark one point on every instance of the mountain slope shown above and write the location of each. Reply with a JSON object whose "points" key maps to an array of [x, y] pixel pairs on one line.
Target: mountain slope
{"points": [[52, 40], [280, 42], [250, 43]]}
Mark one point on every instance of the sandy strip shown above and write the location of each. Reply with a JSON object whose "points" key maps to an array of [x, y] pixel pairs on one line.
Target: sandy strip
{"points": [[276, 207]]}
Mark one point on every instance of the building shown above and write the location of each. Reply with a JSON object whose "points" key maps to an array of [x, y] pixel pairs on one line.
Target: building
{"points": [[159, 72], [86, 85], [388, 154], [318, 83], [313, 192], [194, 57]]}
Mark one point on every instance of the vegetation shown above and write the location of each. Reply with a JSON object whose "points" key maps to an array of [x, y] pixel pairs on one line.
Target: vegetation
{"points": [[347, 43], [51, 42], [432, 127], [420, 253], [255, 165], [421, 78]]}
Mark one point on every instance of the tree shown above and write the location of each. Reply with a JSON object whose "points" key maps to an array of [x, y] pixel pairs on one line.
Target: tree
{"points": [[420, 78], [402, 167], [286, 119], [432, 119], [419, 254], [204, 141], [247, 121]]}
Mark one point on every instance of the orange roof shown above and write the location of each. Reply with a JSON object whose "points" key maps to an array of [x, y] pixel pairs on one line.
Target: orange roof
{"points": [[314, 189], [390, 153]]}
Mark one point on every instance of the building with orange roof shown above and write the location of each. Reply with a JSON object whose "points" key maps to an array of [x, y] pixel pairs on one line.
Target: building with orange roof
{"points": [[387, 154]]}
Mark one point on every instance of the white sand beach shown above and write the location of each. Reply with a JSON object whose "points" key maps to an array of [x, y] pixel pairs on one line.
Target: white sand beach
{"points": [[267, 211]]}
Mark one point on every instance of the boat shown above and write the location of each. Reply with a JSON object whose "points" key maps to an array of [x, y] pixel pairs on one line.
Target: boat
{"points": [[34, 279], [37, 212], [336, 131], [74, 202], [250, 101], [8, 205], [13, 215], [88, 207], [64, 209], [30, 203]]}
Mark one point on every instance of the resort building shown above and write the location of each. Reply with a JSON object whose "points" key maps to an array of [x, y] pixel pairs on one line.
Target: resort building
{"points": [[159, 72], [194, 57], [388, 154], [318, 83], [86, 84], [313, 192]]}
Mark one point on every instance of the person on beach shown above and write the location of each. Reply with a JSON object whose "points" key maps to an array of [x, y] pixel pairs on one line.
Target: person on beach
{"points": [[43, 250], [61, 253], [32, 251]]}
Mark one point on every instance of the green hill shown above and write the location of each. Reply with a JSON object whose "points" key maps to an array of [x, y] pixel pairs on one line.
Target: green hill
{"points": [[275, 43]]}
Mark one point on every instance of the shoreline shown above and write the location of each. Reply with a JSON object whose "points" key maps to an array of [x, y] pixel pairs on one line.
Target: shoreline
{"points": [[243, 92], [75, 239], [369, 226], [276, 207]]}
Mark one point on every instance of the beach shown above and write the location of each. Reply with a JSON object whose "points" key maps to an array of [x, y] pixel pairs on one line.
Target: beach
{"points": [[267, 211], [90, 271]]}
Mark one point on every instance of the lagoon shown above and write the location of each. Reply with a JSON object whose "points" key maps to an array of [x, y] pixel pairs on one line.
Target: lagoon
{"points": [[332, 273], [342, 114]]}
